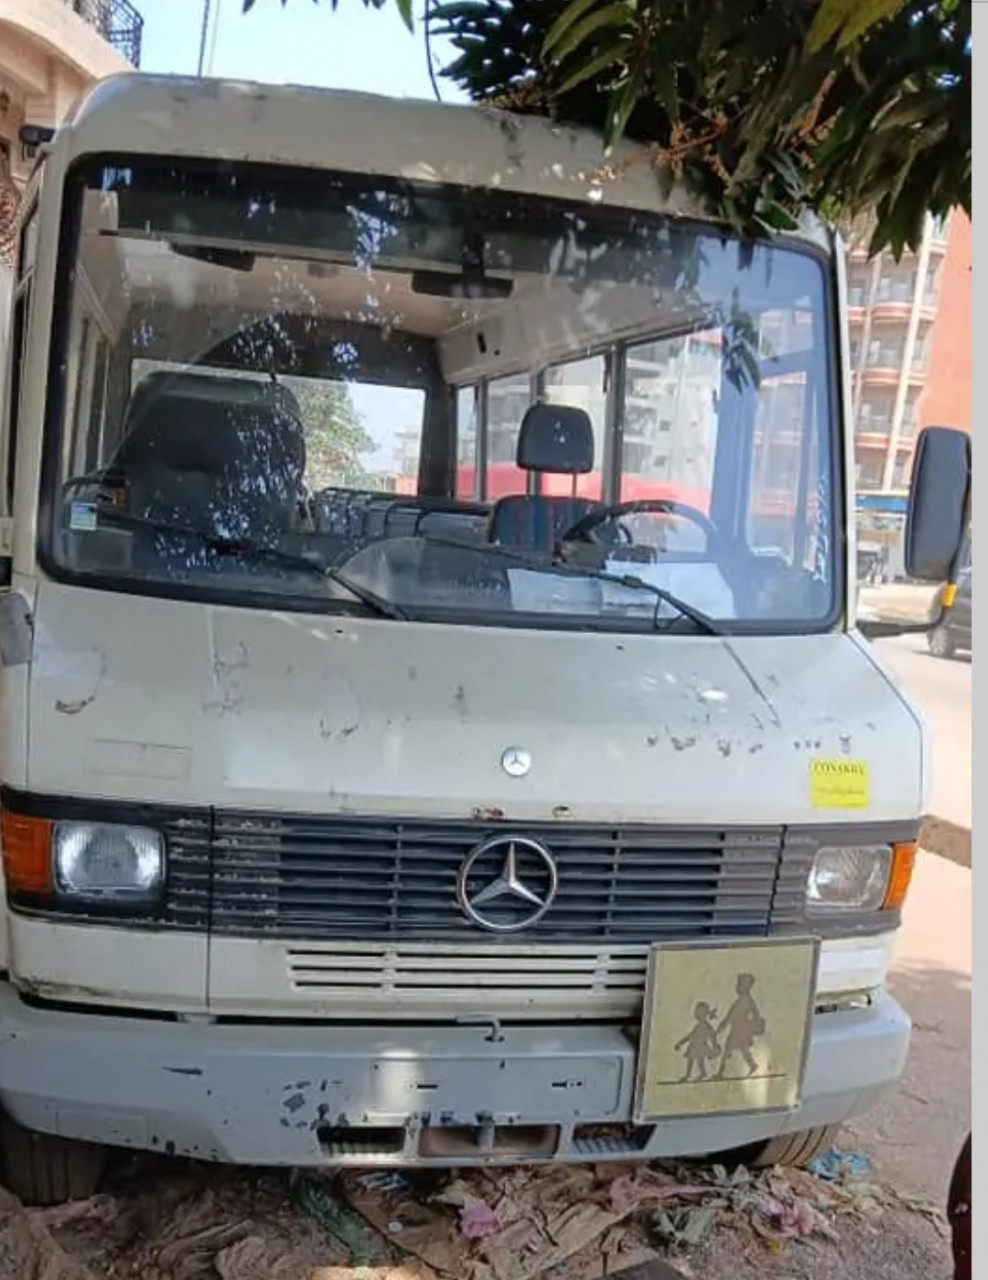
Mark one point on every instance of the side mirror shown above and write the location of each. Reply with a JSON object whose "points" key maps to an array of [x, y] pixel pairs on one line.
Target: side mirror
{"points": [[939, 498], [934, 540]]}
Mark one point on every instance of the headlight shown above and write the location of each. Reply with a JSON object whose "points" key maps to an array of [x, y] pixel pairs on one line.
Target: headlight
{"points": [[852, 878], [98, 862]]}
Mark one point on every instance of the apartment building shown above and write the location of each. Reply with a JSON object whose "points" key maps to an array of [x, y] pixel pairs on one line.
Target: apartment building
{"points": [[50, 52], [910, 347]]}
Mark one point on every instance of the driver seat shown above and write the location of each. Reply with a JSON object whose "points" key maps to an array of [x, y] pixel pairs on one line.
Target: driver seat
{"points": [[224, 455], [554, 439]]}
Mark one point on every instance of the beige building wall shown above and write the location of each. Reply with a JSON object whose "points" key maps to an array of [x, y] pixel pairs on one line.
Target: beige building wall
{"points": [[50, 51]]}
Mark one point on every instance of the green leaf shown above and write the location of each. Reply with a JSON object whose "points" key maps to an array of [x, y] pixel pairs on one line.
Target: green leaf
{"points": [[612, 15], [570, 14], [622, 105], [847, 20], [611, 56], [828, 20], [666, 81], [865, 17], [405, 9]]}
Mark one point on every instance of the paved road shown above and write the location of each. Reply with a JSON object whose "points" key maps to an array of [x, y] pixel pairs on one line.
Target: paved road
{"points": [[915, 1136], [943, 690]]}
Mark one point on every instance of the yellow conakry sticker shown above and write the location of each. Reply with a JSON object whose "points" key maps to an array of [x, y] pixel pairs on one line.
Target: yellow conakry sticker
{"points": [[839, 783]]}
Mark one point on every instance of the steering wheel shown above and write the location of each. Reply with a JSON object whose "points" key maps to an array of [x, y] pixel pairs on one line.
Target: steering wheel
{"points": [[583, 530]]}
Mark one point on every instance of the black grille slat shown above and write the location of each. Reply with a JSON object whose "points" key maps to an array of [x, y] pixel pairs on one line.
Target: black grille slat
{"points": [[326, 878], [189, 887]]}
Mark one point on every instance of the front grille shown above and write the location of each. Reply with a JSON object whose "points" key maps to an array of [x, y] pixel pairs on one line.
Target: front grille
{"points": [[187, 888], [353, 969], [319, 878]]}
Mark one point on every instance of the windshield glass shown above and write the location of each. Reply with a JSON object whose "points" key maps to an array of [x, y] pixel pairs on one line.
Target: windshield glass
{"points": [[322, 390]]}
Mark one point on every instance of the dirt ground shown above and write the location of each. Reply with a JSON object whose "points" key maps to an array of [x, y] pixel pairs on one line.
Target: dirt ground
{"points": [[170, 1221], [174, 1222]]}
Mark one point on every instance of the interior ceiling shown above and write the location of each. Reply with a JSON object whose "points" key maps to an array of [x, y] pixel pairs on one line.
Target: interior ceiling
{"points": [[154, 273]]}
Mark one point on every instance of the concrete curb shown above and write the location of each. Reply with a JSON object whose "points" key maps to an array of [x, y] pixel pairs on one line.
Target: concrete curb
{"points": [[946, 839]]}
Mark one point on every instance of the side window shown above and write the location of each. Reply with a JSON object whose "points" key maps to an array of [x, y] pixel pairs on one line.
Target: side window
{"points": [[581, 383], [466, 443], [76, 464], [779, 452], [20, 320], [97, 404], [507, 400], [84, 447], [669, 437], [18, 354]]}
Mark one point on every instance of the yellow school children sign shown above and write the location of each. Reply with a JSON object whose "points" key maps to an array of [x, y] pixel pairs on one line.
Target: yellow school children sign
{"points": [[725, 1027]]}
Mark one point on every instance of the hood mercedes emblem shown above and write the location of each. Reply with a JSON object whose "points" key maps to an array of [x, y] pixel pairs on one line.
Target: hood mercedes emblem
{"points": [[516, 762], [507, 883]]}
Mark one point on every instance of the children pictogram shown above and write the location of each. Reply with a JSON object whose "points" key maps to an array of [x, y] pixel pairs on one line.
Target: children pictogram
{"points": [[700, 1046], [743, 1023]]}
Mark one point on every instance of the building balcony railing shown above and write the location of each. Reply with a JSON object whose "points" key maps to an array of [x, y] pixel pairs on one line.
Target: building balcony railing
{"points": [[117, 21]]}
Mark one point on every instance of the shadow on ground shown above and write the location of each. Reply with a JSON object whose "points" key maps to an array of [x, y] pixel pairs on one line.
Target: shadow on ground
{"points": [[914, 1136]]}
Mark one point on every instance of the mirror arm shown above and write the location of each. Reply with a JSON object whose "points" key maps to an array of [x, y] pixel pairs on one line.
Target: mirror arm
{"points": [[875, 630]]}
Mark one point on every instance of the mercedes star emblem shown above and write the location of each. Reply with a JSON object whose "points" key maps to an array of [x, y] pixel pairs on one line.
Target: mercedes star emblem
{"points": [[507, 883], [516, 762]]}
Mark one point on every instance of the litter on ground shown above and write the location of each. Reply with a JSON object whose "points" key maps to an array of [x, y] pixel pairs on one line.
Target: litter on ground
{"points": [[179, 1222]]}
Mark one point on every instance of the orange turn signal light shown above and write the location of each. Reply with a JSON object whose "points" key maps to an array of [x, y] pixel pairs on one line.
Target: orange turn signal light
{"points": [[26, 853], [900, 876]]}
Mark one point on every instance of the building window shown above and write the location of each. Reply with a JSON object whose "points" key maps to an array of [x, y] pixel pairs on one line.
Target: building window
{"points": [[885, 354], [875, 416], [896, 286], [931, 291], [902, 472], [869, 472]]}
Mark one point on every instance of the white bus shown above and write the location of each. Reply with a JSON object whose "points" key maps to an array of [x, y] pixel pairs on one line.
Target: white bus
{"points": [[435, 726]]}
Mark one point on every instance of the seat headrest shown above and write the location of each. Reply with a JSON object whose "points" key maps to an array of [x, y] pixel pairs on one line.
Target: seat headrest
{"points": [[191, 422], [556, 439]]}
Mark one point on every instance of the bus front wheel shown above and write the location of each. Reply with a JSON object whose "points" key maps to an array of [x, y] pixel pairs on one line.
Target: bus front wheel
{"points": [[42, 1169], [788, 1150]]}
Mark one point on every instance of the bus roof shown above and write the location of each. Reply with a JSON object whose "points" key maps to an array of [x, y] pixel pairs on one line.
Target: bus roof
{"points": [[366, 133]]}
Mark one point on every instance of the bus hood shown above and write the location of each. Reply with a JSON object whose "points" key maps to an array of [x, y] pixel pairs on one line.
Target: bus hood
{"points": [[198, 705]]}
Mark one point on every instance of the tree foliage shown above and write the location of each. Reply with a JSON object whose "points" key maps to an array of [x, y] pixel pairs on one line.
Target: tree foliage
{"points": [[761, 107], [334, 432]]}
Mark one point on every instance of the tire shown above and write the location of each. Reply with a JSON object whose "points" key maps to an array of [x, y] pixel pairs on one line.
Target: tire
{"points": [[41, 1169], [941, 642], [793, 1150]]}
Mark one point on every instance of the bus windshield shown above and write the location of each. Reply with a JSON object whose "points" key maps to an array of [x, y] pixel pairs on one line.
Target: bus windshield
{"points": [[316, 391]]}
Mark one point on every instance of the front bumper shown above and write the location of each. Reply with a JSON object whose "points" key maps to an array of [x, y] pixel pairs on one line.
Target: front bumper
{"points": [[337, 1095]]}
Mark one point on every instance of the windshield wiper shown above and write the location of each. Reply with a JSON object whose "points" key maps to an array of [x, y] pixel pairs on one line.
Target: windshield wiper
{"points": [[702, 621], [257, 551], [548, 564]]}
